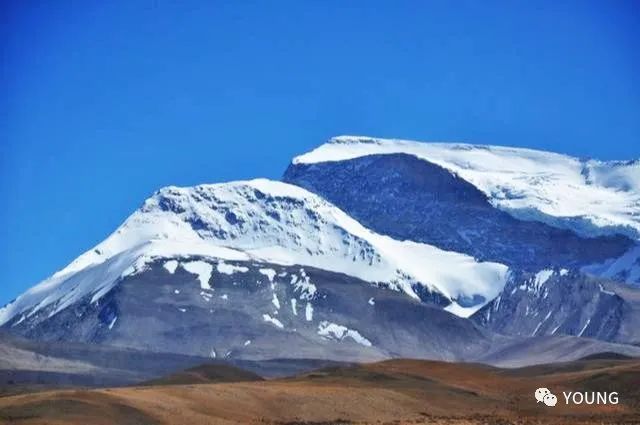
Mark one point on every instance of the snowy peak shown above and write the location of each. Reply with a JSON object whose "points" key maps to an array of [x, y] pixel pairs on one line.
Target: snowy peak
{"points": [[285, 224], [344, 147], [589, 196], [261, 221]]}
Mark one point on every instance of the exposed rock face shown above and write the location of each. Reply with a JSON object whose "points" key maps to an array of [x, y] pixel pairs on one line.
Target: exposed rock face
{"points": [[410, 198], [259, 311], [564, 303]]}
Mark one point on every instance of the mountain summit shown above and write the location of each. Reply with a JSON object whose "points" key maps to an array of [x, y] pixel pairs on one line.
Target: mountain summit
{"points": [[369, 249], [589, 196]]}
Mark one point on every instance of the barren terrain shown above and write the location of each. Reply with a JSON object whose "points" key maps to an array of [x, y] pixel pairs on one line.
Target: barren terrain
{"points": [[394, 392]]}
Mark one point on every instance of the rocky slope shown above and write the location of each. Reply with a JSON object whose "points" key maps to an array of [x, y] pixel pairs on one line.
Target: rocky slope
{"points": [[410, 198], [258, 311], [559, 302]]}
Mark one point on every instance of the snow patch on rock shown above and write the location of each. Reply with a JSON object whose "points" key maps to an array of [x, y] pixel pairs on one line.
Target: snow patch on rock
{"points": [[337, 332], [308, 312], [270, 273], [272, 320], [543, 276], [202, 270], [170, 266], [230, 269]]}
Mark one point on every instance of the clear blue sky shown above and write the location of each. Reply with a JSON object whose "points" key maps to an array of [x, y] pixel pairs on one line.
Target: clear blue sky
{"points": [[102, 103]]}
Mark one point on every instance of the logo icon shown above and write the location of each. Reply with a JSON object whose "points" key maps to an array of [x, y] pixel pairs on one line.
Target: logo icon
{"points": [[543, 395]]}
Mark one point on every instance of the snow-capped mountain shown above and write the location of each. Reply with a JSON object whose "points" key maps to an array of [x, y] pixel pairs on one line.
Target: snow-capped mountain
{"points": [[588, 196], [265, 221], [362, 253], [523, 208]]}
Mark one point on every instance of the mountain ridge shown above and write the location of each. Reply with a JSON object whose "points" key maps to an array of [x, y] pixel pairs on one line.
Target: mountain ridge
{"points": [[353, 257], [257, 220], [519, 178]]}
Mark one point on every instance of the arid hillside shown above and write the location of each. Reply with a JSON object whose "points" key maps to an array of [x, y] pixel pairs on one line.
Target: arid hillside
{"points": [[394, 392]]}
